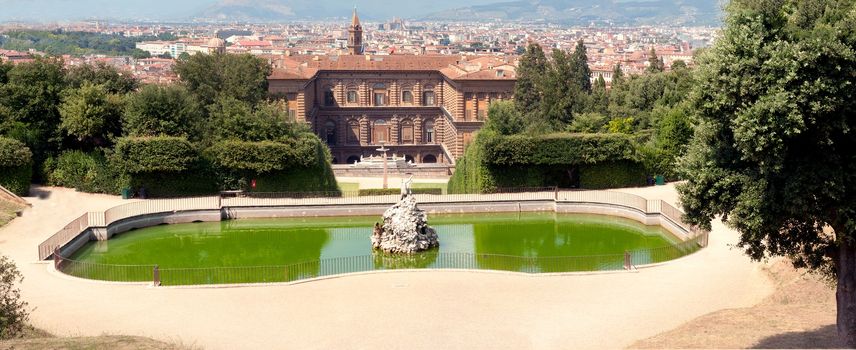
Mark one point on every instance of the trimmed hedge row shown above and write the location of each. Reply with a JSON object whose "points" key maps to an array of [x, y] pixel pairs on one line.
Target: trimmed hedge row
{"points": [[172, 166], [388, 191], [84, 171], [16, 166], [557, 149], [591, 161]]}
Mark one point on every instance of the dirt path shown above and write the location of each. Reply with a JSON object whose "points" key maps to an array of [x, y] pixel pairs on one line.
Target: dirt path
{"points": [[799, 315], [419, 309]]}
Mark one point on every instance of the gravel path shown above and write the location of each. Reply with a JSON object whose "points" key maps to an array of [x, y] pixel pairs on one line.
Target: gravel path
{"points": [[420, 309]]}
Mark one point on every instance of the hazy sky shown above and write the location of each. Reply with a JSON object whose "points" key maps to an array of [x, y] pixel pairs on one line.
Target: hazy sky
{"points": [[58, 10]]}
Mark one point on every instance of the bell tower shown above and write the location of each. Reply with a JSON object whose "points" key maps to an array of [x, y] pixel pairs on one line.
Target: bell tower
{"points": [[355, 35]]}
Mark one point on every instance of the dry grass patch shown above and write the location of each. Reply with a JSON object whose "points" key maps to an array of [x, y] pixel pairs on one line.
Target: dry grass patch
{"points": [[105, 342], [799, 314], [8, 211]]}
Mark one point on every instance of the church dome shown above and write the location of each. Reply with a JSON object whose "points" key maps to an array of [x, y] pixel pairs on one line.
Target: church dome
{"points": [[216, 42]]}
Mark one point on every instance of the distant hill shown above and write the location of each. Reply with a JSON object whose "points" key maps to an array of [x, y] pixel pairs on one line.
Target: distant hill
{"points": [[698, 12]]}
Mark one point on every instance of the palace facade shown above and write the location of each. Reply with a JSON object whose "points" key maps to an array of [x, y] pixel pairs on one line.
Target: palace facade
{"points": [[425, 107]]}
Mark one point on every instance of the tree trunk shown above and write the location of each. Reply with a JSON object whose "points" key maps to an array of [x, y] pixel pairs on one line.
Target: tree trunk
{"points": [[845, 294]]}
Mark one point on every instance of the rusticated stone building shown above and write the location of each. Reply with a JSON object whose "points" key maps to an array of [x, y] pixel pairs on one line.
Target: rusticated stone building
{"points": [[425, 107]]}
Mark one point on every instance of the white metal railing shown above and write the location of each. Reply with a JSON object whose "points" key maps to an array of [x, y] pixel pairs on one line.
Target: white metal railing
{"points": [[145, 207]]}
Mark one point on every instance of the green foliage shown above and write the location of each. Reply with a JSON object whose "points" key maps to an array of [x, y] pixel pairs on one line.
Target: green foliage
{"points": [[86, 172], [136, 155], [162, 110], [114, 81], [13, 311], [580, 71], [58, 42], [14, 153], [212, 77], [564, 160], [16, 163], [557, 149], [588, 123], [655, 65], [774, 151], [389, 191], [504, 118], [89, 112], [291, 165], [531, 71], [617, 75], [620, 126], [197, 180], [612, 174], [231, 119], [29, 104]]}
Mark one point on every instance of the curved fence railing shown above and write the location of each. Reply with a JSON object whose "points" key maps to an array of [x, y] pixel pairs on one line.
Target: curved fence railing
{"points": [[146, 207], [379, 261]]}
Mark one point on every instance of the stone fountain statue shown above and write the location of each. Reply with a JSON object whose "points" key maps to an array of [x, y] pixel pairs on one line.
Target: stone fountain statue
{"points": [[405, 227]]}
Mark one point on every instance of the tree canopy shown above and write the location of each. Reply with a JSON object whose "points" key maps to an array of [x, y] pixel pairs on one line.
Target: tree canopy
{"points": [[210, 77], [773, 153]]}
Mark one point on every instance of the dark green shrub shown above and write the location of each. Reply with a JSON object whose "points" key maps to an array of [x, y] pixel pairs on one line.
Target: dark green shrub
{"points": [[86, 172], [13, 311], [612, 175], [164, 166], [135, 155], [16, 166], [297, 165], [592, 161]]}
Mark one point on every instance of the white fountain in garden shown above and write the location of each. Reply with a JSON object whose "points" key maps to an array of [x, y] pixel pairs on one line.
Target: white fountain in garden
{"points": [[405, 227]]}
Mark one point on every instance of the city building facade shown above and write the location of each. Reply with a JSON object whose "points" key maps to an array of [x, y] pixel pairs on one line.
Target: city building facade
{"points": [[423, 107]]}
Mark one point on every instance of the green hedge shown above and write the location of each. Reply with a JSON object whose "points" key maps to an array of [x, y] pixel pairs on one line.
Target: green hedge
{"points": [[198, 180], [591, 161], [155, 154], [557, 149], [86, 172], [388, 191], [299, 165], [16, 166]]}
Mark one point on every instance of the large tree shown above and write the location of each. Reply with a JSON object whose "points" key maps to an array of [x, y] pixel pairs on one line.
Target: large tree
{"points": [[167, 110], [773, 153], [91, 113], [211, 77], [113, 80], [580, 68], [29, 102], [531, 72]]}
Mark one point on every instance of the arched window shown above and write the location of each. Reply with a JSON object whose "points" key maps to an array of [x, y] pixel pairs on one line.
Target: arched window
{"points": [[407, 96], [429, 158], [408, 158], [428, 95], [353, 132], [405, 132], [330, 132], [353, 159], [428, 132]]}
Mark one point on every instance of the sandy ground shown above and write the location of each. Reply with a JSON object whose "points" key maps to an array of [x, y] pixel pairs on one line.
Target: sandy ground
{"points": [[800, 314], [415, 309]]}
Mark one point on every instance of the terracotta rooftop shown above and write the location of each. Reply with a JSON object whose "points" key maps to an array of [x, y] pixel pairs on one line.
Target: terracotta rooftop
{"points": [[454, 67]]}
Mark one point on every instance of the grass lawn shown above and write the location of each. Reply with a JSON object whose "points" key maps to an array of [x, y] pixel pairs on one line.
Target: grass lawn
{"points": [[8, 211], [441, 186], [349, 186]]}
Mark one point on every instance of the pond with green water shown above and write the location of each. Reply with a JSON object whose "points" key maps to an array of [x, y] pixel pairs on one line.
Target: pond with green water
{"points": [[277, 250]]}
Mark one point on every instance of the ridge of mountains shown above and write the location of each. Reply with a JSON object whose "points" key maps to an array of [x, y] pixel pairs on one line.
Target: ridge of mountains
{"points": [[574, 12]]}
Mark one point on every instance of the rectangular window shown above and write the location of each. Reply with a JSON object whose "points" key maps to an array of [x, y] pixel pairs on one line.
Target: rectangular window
{"points": [[292, 114], [329, 99], [379, 99], [352, 97], [428, 98], [407, 97], [482, 114]]}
